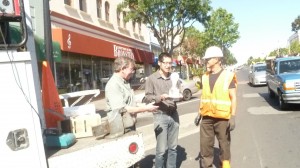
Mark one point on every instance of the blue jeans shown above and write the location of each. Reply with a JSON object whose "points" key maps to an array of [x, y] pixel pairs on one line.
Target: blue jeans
{"points": [[166, 128]]}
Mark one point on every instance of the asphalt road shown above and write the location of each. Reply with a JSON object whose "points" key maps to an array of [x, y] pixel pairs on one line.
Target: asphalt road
{"points": [[265, 137]]}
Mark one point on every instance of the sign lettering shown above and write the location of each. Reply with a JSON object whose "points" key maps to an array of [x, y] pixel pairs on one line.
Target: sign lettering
{"points": [[123, 52]]}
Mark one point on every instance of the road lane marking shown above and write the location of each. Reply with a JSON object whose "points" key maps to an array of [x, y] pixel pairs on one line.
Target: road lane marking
{"points": [[242, 82], [265, 110], [262, 110], [251, 95]]}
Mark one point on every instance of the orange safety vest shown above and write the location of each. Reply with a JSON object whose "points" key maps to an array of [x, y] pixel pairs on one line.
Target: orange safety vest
{"points": [[217, 104]]}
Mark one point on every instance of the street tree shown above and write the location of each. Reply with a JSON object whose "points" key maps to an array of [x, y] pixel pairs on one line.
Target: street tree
{"points": [[294, 48], [279, 52], [167, 19], [296, 24], [250, 60], [193, 44], [229, 58], [221, 29]]}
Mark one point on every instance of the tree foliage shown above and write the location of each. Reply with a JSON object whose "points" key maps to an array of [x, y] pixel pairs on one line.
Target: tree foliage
{"points": [[294, 48], [167, 19], [229, 58], [221, 29], [252, 60], [193, 44], [296, 24], [279, 52]]}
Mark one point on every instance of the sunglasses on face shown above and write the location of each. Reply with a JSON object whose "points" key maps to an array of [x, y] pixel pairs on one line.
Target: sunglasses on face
{"points": [[208, 59]]}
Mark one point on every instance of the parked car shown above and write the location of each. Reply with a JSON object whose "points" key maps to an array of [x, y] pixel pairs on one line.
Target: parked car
{"points": [[257, 74], [283, 80], [187, 89]]}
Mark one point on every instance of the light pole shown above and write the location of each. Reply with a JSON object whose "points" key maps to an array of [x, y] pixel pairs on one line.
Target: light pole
{"points": [[180, 69], [48, 35]]}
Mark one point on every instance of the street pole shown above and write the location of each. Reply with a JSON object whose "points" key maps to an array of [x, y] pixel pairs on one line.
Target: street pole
{"points": [[48, 36], [180, 68]]}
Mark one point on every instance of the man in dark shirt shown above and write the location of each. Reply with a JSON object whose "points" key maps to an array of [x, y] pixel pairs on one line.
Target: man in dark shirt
{"points": [[217, 109], [166, 120]]}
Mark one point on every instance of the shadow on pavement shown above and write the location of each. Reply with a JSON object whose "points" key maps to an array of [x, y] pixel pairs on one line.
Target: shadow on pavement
{"points": [[216, 161], [148, 161], [273, 102]]}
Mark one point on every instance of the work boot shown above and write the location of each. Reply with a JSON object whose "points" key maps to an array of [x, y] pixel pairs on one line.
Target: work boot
{"points": [[225, 164]]}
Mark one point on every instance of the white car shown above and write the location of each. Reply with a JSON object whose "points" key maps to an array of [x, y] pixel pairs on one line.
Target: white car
{"points": [[257, 74], [187, 89]]}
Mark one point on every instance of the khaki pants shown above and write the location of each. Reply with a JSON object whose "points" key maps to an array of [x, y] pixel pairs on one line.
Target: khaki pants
{"points": [[209, 128]]}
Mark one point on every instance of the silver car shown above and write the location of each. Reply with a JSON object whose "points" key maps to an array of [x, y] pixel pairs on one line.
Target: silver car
{"points": [[257, 74]]}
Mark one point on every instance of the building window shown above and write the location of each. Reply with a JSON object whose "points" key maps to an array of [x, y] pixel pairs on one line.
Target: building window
{"points": [[107, 11], [133, 26], [118, 18], [99, 7], [124, 22], [140, 27], [68, 2], [82, 5]]}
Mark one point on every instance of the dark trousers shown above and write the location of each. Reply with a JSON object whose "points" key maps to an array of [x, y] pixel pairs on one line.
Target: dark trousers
{"points": [[209, 128]]}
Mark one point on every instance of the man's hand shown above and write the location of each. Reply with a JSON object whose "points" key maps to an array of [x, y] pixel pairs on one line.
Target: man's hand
{"points": [[197, 120], [164, 97], [231, 123], [151, 107]]}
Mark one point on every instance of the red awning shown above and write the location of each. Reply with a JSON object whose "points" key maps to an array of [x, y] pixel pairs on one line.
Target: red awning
{"points": [[145, 56], [79, 43], [149, 57]]}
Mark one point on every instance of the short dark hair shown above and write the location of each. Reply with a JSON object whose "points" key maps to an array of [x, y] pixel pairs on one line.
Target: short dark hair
{"points": [[162, 55]]}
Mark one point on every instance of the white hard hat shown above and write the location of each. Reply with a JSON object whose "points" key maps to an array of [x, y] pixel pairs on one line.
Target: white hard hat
{"points": [[212, 52]]}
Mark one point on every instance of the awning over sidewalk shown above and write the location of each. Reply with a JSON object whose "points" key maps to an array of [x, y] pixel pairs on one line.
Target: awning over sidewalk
{"points": [[16, 37], [40, 50], [79, 43]]}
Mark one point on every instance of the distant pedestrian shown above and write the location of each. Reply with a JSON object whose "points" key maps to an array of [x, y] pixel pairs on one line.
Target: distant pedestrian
{"points": [[166, 119], [217, 109]]}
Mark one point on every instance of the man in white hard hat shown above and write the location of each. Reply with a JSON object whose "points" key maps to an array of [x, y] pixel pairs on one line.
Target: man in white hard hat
{"points": [[217, 109]]}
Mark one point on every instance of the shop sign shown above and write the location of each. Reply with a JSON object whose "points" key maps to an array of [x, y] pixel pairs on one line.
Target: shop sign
{"points": [[123, 52]]}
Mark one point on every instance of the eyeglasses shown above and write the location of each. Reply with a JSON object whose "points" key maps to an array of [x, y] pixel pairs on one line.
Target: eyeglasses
{"points": [[167, 63]]}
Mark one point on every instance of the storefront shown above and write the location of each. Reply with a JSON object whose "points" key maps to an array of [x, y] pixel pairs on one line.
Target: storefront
{"points": [[86, 61]]}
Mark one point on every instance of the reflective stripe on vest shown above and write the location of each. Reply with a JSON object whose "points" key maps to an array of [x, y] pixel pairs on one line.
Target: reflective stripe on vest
{"points": [[216, 103]]}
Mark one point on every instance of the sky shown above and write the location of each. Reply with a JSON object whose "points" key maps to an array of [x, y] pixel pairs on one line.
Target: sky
{"points": [[264, 25]]}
